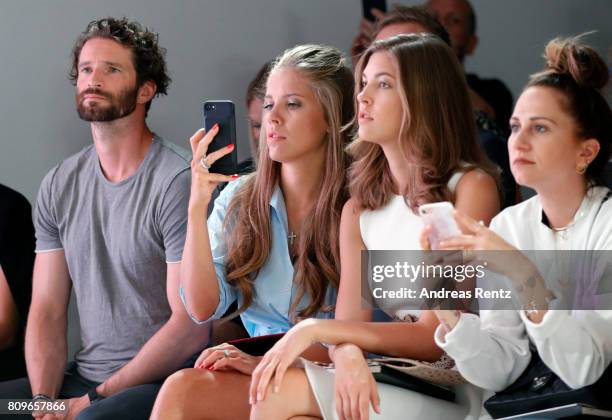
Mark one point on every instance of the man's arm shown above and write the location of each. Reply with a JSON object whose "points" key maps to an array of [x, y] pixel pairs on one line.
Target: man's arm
{"points": [[167, 350], [45, 342], [9, 318]]}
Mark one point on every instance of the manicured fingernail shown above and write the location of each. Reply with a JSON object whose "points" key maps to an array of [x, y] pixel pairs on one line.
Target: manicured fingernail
{"points": [[259, 396], [216, 126], [230, 146], [251, 400], [234, 176]]}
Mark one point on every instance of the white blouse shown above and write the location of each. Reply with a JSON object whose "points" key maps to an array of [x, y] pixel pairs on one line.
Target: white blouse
{"points": [[492, 350]]}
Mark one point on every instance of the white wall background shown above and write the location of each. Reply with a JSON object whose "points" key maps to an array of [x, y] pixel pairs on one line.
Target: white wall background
{"points": [[214, 48]]}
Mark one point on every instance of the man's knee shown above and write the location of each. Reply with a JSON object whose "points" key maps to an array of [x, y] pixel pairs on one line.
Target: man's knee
{"points": [[134, 403], [16, 389], [90, 413]]}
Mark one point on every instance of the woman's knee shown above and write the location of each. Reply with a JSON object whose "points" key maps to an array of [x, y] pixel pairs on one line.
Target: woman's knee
{"points": [[181, 382], [176, 397], [295, 398]]}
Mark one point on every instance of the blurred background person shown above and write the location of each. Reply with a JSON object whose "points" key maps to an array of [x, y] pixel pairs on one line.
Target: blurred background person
{"points": [[254, 101], [489, 95]]}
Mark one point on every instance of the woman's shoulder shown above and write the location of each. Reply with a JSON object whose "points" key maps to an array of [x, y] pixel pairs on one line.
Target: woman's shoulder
{"points": [[601, 195], [601, 216], [477, 195], [471, 178], [351, 213], [354, 219]]}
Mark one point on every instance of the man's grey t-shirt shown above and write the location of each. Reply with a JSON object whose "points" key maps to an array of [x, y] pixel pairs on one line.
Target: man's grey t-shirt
{"points": [[117, 238]]}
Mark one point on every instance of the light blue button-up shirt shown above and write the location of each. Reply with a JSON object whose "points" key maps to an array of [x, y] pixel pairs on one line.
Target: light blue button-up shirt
{"points": [[274, 286]]}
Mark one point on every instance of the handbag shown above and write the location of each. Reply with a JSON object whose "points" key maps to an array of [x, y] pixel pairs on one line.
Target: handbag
{"points": [[422, 370], [538, 388]]}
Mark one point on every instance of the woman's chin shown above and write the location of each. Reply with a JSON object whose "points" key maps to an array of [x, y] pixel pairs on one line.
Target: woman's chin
{"points": [[368, 138], [277, 156], [525, 181]]}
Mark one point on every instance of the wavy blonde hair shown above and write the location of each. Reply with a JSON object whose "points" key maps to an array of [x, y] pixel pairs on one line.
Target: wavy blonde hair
{"points": [[248, 229], [438, 132]]}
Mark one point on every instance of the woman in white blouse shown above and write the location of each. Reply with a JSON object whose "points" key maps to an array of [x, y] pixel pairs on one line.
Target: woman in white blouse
{"points": [[560, 143]]}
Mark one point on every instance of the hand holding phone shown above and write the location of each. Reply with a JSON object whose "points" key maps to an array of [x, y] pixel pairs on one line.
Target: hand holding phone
{"points": [[222, 113], [368, 5], [440, 216]]}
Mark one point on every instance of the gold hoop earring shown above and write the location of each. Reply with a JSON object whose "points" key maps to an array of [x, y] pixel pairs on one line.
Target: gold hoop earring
{"points": [[581, 169]]}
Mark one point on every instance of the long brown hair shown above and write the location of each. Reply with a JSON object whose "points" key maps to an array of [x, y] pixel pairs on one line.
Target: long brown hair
{"points": [[438, 132], [248, 227]]}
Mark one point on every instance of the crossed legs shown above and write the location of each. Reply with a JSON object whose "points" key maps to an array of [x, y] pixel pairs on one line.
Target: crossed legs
{"points": [[202, 394]]}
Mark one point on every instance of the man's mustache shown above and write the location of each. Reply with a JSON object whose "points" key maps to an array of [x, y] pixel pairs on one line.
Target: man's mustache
{"points": [[94, 91]]}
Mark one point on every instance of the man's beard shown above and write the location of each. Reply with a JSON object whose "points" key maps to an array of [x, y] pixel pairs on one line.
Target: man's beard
{"points": [[118, 107]]}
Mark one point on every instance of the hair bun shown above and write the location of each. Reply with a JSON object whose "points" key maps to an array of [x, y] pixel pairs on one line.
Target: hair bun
{"points": [[581, 62]]}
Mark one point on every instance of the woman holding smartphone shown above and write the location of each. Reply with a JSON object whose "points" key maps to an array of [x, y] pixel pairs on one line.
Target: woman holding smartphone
{"points": [[560, 144], [416, 144], [271, 242]]}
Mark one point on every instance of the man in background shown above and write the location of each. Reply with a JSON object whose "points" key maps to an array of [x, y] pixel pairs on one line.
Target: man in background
{"points": [[459, 20]]}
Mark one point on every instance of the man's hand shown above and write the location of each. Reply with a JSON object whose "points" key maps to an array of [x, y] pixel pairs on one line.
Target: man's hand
{"points": [[76, 405], [46, 416]]}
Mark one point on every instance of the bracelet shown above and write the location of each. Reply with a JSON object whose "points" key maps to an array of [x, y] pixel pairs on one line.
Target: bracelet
{"points": [[42, 397], [550, 296]]}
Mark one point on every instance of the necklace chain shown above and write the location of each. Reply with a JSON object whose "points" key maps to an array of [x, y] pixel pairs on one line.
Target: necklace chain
{"points": [[566, 227]]}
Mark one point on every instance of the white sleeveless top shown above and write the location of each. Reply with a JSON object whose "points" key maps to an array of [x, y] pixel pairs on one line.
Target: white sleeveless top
{"points": [[395, 226]]}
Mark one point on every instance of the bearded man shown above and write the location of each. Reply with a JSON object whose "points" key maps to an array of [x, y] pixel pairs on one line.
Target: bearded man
{"points": [[110, 224]]}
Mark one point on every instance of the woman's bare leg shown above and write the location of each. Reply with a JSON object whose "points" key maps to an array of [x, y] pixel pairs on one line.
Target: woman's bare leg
{"points": [[202, 394], [294, 401]]}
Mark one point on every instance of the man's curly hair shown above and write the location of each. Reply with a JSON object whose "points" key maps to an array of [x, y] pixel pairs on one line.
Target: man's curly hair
{"points": [[148, 57]]}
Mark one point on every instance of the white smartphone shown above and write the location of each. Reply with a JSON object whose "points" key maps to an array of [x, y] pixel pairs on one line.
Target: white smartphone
{"points": [[440, 217]]}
